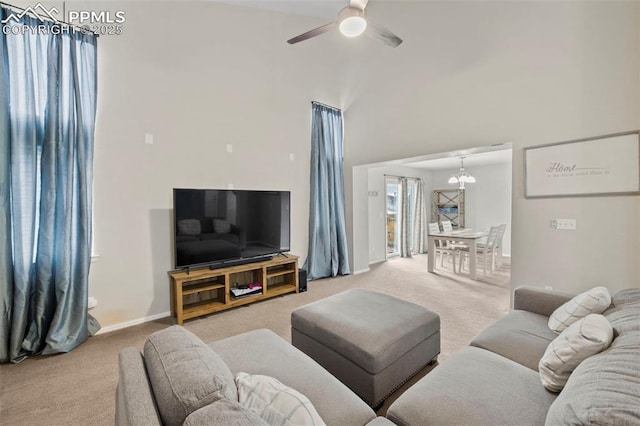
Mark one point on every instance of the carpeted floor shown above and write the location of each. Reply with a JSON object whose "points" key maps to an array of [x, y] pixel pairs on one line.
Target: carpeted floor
{"points": [[78, 388]]}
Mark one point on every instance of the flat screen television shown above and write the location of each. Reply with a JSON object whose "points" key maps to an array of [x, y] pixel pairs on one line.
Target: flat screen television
{"points": [[217, 227]]}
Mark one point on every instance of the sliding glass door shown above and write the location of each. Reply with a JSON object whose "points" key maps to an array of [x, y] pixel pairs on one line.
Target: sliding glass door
{"points": [[394, 214]]}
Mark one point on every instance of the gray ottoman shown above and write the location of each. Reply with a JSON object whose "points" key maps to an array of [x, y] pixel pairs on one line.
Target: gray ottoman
{"points": [[370, 341]]}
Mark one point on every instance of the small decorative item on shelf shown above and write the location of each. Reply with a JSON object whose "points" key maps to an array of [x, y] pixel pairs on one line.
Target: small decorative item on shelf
{"points": [[246, 290], [450, 210]]}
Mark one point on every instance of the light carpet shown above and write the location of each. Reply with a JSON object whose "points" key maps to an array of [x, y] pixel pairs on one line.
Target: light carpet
{"points": [[78, 388]]}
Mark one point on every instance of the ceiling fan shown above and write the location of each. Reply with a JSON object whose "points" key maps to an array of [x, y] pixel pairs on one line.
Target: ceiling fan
{"points": [[352, 21]]}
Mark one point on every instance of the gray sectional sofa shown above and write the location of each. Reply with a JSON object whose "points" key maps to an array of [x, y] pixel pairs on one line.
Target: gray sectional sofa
{"points": [[138, 402], [495, 381]]}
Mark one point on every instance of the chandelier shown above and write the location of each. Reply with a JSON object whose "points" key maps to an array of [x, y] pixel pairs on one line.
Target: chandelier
{"points": [[462, 177]]}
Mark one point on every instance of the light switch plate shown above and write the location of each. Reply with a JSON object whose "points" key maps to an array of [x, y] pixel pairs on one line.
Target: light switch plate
{"points": [[566, 224]]}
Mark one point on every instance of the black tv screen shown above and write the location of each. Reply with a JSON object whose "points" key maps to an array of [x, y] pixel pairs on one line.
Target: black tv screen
{"points": [[219, 226]]}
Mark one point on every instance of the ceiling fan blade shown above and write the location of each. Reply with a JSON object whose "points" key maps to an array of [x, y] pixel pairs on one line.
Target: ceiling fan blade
{"points": [[358, 4], [315, 32], [382, 34]]}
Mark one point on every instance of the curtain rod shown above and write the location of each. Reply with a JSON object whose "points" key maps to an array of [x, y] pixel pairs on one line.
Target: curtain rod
{"points": [[46, 18], [325, 105], [402, 177]]}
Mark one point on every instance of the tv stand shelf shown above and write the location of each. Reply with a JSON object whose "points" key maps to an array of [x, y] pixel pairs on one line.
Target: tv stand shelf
{"points": [[195, 293]]}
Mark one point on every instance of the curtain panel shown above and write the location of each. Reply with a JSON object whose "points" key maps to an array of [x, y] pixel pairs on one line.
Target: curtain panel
{"points": [[328, 254], [405, 239], [419, 217], [47, 123]]}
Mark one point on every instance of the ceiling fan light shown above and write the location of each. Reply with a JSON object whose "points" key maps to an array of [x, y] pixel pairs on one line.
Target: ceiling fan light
{"points": [[353, 26]]}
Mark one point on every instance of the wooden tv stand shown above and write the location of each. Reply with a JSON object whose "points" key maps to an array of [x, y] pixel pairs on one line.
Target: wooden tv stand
{"points": [[203, 291]]}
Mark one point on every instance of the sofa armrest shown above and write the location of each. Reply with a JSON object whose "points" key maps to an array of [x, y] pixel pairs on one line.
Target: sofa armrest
{"points": [[539, 301], [135, 404]]}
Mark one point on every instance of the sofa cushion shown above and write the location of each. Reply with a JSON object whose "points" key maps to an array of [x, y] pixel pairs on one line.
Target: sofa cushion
{"points": [[224, 412], [221, 226], [593, 301], [275, 402], [628, 296], [624, 312], [603, 389], [474, 387], [264, 352], [583, 338], [185, 374], [189, 227], [521, 336]]}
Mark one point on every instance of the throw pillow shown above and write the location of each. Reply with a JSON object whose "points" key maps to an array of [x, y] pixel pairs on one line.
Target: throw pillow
{"points": [[224, 412], [583, 338], [185, 374], [189, 227], [275, 402], [594, 301], [221, 226]]}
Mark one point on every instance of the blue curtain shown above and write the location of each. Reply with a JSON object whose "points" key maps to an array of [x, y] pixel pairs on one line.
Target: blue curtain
{"points": [[47, 124], [328, 254]]}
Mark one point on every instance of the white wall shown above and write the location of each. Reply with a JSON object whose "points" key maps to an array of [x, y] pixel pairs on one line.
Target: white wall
{"points": [[198, 76], [377, 204], [475, 73], [488, 201]]}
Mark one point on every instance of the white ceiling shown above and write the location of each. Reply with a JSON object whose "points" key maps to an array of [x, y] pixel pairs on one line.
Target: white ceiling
{"points": [[318, 8], [329, 9]]}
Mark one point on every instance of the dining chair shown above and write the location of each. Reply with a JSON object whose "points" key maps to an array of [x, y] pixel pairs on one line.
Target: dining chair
{"points": [[486, 251], [497, 255], [441, 246], [498, 246], [433, 228], [447, 226]]}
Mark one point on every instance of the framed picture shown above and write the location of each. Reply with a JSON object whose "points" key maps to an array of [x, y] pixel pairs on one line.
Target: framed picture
{"points": [[603, 165]]}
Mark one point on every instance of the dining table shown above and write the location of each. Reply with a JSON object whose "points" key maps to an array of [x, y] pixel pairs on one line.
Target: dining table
{"points": [[462, 236]]}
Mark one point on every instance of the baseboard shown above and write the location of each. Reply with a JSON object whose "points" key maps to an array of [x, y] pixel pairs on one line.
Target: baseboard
{"points": [[373, 262], [361, 271], [121, 325]]}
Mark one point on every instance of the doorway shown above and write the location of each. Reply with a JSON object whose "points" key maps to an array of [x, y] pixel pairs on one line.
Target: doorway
{"points": [[393, 218], [394, 214]]}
